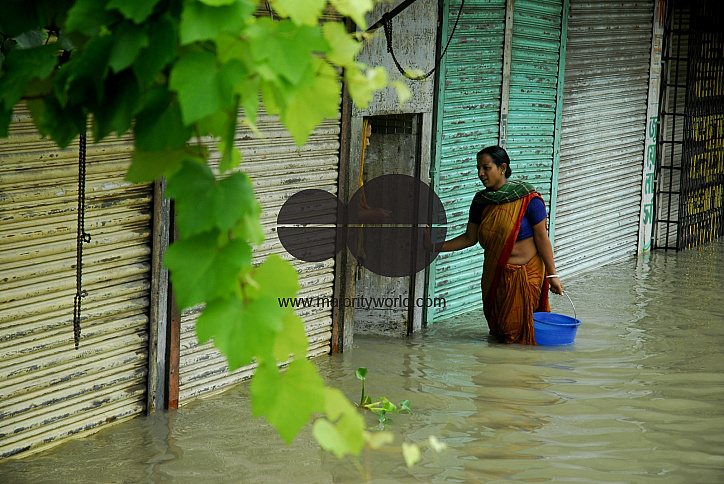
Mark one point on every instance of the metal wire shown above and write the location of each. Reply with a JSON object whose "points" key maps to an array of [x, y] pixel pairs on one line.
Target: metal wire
{"points": [[390, 49], [82, 237]]}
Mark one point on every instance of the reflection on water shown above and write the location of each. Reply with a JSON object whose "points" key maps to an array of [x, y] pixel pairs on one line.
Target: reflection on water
{"points": [[638, 398]]}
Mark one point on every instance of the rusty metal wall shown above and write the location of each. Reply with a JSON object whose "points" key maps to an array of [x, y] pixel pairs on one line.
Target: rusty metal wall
{"points": [[278, 169], [413, 39], [533, 87], [603, 132], [468, 119], [48, 390]]}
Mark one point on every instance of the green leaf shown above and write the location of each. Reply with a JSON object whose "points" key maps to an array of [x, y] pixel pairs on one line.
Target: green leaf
{"points": [[241, 332], [19, 16], [361, 373], [203, 271], [233, 196], [313, 104], [331, 439], [128, 40], [272, 394], [387, 405], [64, 42], [346, 436], [405, 405], [20, 67], [231, 157], [88, 16], [301, 12], [39, 88], [202, 203], [344, 48], [218, 3], [161, 49], [194, 78], [229, 79], [159, 125], [361, 86], [148, 166], [267, 311], [201, 21], [220, 319], [249, 227], [274, 277], [214, 124], [435, 444], [284, 47], [403, 91], [5, 118], [122, 101], [32, 38], [271, 98], [136, 10], [292, 340], [354, 9], [377, 440], [233, 47], [249, 91], [191, 184], [84, 75], [61, 124], [411, 453]]}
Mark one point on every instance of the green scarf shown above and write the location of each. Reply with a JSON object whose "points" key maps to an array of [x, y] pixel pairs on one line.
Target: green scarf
{"points": [[510, 192]]}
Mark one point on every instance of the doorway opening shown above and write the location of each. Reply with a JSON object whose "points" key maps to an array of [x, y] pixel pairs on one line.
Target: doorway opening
{"points": [[388, 302]]}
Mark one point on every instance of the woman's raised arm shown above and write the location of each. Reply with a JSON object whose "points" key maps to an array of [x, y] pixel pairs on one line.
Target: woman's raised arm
{"points": [[462, 241]]}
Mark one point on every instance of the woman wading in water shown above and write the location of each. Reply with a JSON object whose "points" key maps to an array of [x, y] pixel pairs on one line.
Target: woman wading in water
{"points": [[508, 219]]}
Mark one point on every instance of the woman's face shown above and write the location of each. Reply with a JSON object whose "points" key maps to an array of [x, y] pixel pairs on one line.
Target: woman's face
{"points": [[492, 175]]}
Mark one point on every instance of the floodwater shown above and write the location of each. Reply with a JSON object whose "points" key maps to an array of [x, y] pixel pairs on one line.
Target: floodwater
{"points": [[638, 398]]}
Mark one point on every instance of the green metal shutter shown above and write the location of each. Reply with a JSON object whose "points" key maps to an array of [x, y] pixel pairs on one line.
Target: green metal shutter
{"points": [[533, 87], [468, 118], [278, 169], [48, 390], [603, 133]]}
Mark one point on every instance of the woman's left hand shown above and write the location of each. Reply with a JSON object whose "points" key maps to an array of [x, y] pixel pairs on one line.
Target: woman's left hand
{"points": [[556, 285]]}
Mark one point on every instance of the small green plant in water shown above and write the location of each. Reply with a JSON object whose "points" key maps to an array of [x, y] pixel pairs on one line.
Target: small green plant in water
{"points": [[382, 407]]}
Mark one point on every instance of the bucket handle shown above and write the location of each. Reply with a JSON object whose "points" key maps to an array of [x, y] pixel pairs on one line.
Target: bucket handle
{"points": [[574, 307]]}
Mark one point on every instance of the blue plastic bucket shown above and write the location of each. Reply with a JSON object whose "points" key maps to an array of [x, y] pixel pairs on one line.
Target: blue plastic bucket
{"points": [[553, 329]]}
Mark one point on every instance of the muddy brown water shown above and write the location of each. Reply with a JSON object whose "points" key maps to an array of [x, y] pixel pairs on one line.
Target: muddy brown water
{"points": [[638, 398]]}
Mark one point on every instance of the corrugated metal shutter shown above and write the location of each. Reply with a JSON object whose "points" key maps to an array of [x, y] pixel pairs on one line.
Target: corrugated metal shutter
{"points": [[49, 390], [278, 169], [603, 132], [470, 98], [533, 86]]}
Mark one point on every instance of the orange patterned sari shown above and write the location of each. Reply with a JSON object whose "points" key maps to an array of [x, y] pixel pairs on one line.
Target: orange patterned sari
{"points": [[511, 293]]}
